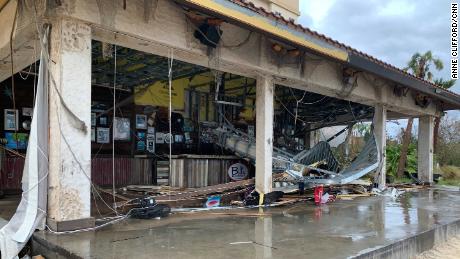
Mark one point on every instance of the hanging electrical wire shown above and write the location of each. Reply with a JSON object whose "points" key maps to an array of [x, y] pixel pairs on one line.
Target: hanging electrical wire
{"points": [[293, 115], [13, 88], [113, 122], [170, 75]]}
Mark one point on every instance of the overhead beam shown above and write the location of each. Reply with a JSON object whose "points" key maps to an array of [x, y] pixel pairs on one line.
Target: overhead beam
{"points": [[26, 47], [251, 59]]}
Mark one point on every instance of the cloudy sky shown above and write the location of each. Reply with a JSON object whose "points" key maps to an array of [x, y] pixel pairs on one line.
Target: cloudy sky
{"points": [[391, 30]]}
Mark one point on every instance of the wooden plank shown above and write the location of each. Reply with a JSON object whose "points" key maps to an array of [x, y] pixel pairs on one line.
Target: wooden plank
{"points": [[206, 190]]}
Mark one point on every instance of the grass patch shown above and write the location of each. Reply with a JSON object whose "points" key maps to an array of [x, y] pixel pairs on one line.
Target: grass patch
{"points": [[403, 180], [450, 175]]}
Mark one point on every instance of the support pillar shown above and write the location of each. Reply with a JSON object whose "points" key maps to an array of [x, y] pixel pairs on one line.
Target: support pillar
{"points": [[264, 134], [380, 118], [425, 148], [69, 195]]}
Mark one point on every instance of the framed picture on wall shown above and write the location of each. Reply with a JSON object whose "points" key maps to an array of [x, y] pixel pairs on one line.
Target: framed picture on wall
{"points": [[93, 134], [93, 119], [150, 143], [103, 120], [103, 135], [27, 111], [141, 121], [122, 129], [11, 119]]}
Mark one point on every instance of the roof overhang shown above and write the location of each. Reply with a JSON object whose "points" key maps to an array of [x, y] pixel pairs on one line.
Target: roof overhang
{"points": [[291, 34]]}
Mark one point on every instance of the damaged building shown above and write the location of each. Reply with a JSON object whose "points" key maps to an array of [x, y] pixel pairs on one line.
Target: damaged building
{"points": [[177, 97]]}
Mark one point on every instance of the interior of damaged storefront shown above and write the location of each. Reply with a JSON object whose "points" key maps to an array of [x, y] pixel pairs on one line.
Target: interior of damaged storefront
{"points": [[210, 141], [185, 134]]}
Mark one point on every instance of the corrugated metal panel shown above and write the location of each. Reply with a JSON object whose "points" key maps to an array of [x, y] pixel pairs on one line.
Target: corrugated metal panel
{"points": [[127, 171], [11, 173], [185, 172], [193, 173]]}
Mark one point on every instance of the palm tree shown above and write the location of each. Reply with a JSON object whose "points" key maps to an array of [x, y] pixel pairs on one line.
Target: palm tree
{"points": [[445, 84], [419, 65]]}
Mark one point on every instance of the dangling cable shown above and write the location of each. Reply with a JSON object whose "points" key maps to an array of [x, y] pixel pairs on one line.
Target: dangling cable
{"points": [[170, 64], [113, 125], [13, 88]]}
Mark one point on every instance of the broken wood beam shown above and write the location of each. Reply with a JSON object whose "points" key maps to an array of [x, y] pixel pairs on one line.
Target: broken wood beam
{"points": [[206, 190]]}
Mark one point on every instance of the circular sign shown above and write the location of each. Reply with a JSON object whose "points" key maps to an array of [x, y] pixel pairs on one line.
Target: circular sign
{"points": [[237, 172]]}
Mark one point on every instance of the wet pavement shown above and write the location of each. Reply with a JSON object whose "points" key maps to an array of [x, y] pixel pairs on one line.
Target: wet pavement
{"points": [[338, 230]]}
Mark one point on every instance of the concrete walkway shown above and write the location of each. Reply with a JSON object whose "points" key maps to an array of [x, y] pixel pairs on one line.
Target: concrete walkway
{"points": [[342, 229]]}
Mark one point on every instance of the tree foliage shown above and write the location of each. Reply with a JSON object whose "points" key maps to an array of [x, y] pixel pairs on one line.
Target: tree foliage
{"points": [[420, 64], [393, 151], [446, 84], [448, 151]]}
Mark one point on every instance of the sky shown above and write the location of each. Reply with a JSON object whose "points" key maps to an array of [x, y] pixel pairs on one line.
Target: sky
{"points": [[391, 30]]}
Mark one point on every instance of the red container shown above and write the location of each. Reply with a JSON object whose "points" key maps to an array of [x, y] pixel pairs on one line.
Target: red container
{"points": [[318, 194]]}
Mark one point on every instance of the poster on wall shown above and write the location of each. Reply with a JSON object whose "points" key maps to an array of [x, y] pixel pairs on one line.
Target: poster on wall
{"points": [[16, 140], [151, 143], [141, 135], [93, 119], [160, 137], [178, 138], [11, 119], [93, 134], [140, 145], [103, 135], [122, 129], [103, 120], [141, 121], [27, 111]]}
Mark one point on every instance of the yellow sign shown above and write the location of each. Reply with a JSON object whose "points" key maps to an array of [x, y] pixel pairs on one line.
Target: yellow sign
{"points": [[157, 94]]}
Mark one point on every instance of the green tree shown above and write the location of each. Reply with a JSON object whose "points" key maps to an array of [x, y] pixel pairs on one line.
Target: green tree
{"points": [[419, 65]]}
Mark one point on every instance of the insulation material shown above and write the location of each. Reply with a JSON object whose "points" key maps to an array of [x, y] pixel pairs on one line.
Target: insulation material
{"points": [[31, 212]]}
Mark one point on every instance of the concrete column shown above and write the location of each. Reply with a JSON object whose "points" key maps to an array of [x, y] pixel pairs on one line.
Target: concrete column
{"points": [[380, 118], [69, 200], [264, 134], [425, 148]]}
